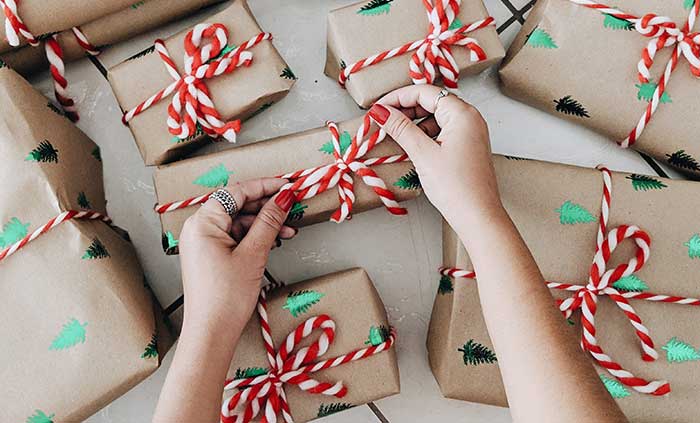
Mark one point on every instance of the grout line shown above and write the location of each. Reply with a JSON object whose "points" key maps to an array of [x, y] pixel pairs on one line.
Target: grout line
{"points": [[382, 418], [172, 308], [516, 13], [654, 165], [100, 67], [506, 24]]}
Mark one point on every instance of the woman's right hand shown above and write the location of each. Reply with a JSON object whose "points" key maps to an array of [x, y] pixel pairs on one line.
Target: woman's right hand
{"points": [[455, 169]]}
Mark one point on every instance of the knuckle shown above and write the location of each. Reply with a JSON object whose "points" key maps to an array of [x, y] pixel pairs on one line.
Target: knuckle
{"points": [[271, 218], [397, 126]]}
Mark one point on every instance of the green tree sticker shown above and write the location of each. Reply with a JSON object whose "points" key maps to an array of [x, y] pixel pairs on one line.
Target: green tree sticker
{"points": [[328, 409], [445, 286], [409, 181], [375, 7], [143, 52], [96, 250], [44, 152], [645, 183], [474, 353], [55, 109], [288, 74], [72, 333], [40, 417], [456, 24], [678, 351], [688, 4], [377, 335], [198, 132], [138, 4], [151, 350], [646, 92], [169, 242], [83, 201], [345, 140], [616, 389], [215, 177], [297, 212], [572, 213], [693, 246], [96, 154], [612, 22], [683, 160], [301, 301], [13, 231], [569, 106], [539, 38], [249, 372], [630, 283]]}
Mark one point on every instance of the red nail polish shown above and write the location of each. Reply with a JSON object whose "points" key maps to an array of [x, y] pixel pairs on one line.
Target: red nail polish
{"points": [[379, 113], [285, 199]]}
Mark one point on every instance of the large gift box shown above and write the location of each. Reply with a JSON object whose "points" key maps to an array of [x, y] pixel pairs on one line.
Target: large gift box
{"points": [[556, 209], [358, 366], [79, 326], [603, 68], [236, 71], [307, 159], [377, 46]]}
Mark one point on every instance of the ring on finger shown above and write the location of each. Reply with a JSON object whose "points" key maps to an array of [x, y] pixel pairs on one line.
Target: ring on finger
{"points": [[442, 94], [227, 201]]}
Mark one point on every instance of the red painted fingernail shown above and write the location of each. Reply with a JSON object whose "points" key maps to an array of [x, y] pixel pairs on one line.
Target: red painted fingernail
{"points": [[379, 113], [285, 199]]}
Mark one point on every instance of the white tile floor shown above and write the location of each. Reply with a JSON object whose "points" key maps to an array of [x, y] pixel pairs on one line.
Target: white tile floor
{"points": [[401, 255]]}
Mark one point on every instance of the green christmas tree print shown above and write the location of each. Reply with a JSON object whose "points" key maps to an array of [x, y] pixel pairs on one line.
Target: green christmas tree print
{"points": [[377, 335], [96, 154], [693, 246], [55, 109], [516, 158], [96, 250], [83, 201], [344, 140], [456, 24], [683, 160], [645, 183], [261, 109], [288, 74], [646, 92], [151, 350], [328, 409], [198, 132], [474, 353], [539, 38], [215, 177], [169, 242], [572, 213], [569, 106], [143, 52], [13, 231], [2, 64], [138, 4], [409, 181], [297, 212], [630, 283], [224, 51], [375, 7], [445, 286], [45, 152], [343, 65], [299, 302], [72, 333], [40, 417], [612, 22], [688, 4], [249, 372], [617, 390], [678, 351]]}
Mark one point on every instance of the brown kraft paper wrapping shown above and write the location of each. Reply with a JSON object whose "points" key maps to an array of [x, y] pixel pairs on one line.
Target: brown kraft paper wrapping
{"points": [[79, 280], [278, 156], [352, 36], [49, 16], [532, 192], [237, 95], [135, 19], [369, 379], [596, 66]]}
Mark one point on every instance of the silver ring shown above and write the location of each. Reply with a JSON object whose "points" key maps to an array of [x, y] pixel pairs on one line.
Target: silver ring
{"points": [[227, 201], [443, 93]]}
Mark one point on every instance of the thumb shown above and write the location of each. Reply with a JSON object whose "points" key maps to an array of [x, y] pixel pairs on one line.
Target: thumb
{"points": [[267, 225], [402, 129]]}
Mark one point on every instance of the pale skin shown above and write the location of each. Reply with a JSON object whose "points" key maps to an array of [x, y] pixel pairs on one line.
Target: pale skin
{"points": [[547, 376]]}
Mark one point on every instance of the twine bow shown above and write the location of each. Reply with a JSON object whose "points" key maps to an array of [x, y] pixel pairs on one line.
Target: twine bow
{"points": [[432, 54], [206, 56], [600, 283], [290, 367]]}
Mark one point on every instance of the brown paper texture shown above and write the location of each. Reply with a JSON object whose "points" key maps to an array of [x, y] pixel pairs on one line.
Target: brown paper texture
{"points": [[367, 380], [49, 16], [48, 283], [135, 19], [275, 157], [236, 95], [597, 66], [353, 36], [532, 192]]}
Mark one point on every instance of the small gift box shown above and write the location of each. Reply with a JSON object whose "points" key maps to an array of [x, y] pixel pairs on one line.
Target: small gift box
{"points": [[353, 164], [644, 272], [626, 69], [329, 354], [377, 46], [193, 83], [79, 326]]}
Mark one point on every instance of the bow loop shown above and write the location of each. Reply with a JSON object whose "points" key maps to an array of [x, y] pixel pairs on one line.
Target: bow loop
{"points": [[652, 26]]}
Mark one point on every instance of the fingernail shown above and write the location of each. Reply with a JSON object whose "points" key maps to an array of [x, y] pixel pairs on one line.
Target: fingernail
{"points": [[285, 199], [379, 113]]}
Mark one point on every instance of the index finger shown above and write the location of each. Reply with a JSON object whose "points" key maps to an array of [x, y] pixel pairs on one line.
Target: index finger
{"points": [[412, 96]]}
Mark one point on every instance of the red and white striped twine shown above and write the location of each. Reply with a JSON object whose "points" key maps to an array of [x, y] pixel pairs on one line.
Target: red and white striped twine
{"points": [[14, 26], [308, 183], [290, 367], [63, 217], [432, 54], [663, 33], [600, 283], [191, 103]]}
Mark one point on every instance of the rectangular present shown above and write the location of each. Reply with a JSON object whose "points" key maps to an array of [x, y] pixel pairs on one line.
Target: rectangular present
{"points": [[590, 60], [236, 95], [556, 207], [364, 29], [105, 31], [286, 154], [360, 323], [79, 326]]}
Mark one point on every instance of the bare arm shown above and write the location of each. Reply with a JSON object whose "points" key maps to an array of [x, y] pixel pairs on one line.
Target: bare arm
{"points": [[547, 376]]}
